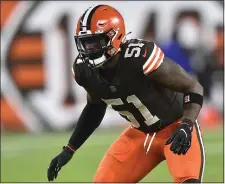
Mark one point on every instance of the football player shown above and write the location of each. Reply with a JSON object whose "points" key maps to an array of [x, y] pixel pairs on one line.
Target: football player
{"points": [[159, 99]]}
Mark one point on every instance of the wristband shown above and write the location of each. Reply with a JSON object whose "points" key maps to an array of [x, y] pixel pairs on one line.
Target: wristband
{"points": [[193, 98]]}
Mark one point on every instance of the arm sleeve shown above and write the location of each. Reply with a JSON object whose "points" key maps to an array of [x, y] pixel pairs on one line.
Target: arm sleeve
{"points": [[79, 70], [89, 120], [153, 57]]}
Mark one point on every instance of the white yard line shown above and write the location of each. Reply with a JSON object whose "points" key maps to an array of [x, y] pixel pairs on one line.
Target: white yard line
{"points": [[14, 150]]}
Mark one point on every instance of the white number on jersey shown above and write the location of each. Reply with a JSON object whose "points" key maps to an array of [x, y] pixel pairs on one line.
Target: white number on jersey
{"points": [[149, 118], [133, 49]]}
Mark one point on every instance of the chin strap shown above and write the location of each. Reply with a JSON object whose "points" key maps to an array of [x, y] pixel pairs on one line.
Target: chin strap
{"points": [[99, 61]]}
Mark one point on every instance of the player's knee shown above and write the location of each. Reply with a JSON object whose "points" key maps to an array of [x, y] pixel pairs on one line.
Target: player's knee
{"points": [[192, 180]]}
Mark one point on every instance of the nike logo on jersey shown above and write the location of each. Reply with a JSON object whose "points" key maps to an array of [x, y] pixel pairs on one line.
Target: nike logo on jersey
{"points": [[145, 53]]}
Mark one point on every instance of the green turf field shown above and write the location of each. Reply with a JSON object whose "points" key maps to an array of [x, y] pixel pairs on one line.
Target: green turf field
{"points": [[26, 158]]}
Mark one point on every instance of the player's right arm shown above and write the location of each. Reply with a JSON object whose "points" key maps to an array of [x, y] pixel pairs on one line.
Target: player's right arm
{"points": [[92, 113], [88, 121]]}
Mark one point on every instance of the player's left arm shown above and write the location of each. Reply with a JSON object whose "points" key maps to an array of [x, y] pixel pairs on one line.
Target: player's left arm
{"points": [[174, 77], [171, 75]]}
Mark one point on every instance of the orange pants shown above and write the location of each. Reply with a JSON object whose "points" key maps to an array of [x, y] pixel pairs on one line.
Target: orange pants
{"points": [[127, 161]]}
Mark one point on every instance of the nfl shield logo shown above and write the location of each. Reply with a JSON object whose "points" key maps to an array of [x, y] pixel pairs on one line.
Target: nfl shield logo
{"points": [[113, 88]]}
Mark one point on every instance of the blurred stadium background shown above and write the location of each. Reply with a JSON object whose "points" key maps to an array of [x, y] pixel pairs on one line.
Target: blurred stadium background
{"points": [[40, 102]]}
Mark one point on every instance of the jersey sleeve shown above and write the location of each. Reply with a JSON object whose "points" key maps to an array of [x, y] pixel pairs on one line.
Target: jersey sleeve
{"points": [[152, 57], [76, 71]]}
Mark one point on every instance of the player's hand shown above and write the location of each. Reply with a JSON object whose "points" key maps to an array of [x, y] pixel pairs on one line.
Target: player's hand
{"points": [[60, 160], [181, 139]]}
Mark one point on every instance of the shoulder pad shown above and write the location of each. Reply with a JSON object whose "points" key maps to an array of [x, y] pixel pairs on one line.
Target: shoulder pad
{"points": [[145, 54]]}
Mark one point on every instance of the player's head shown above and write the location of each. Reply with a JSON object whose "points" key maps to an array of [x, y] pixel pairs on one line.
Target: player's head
{"points": [[99, 34]]}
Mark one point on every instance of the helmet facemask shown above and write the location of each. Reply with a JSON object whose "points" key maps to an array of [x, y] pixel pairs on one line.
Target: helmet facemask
{"points": [[96, 48], [93, 48]]}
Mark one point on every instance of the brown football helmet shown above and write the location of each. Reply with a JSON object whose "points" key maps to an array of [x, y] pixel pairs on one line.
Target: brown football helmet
{"points": [[99, 34]]}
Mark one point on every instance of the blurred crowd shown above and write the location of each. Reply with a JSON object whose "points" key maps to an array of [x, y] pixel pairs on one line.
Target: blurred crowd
{"points": [[38, 91], [201, 55]]}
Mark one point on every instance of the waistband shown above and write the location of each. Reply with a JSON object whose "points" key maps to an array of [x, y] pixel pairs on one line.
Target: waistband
{"points": [[156, 127]]}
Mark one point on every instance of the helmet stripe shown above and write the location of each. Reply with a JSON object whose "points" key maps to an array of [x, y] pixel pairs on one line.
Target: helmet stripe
{"points": [[84, 21], [81, 21], [89, 18]]}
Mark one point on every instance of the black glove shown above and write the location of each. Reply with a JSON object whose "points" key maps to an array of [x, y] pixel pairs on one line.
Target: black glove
{"points": [[60, 160], [181, 138]]}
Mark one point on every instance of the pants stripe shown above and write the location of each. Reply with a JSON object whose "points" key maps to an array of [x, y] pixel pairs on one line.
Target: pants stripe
{"points": [[202, 150]]}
